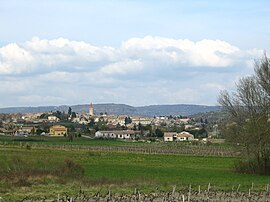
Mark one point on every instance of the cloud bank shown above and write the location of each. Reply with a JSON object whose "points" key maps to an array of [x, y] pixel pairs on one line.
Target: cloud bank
{"points": [[149, 70]]}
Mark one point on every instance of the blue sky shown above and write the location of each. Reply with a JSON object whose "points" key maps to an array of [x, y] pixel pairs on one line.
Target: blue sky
{"points": [[133, 52]]}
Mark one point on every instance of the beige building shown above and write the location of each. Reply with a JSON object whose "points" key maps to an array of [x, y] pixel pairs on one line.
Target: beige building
{"points": [[25, 130], [58, 130], [173, 136], [169, 136], [53, 118], [184, 136], [142, 120]]}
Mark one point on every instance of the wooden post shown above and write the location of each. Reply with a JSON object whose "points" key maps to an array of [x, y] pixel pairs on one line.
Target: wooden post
{"points": [[189, 192], [173, 191], [238, 187]]}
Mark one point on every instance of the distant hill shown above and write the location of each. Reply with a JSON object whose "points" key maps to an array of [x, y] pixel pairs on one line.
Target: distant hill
{"points": [[174, 110], [147, 111], [212, 116]]}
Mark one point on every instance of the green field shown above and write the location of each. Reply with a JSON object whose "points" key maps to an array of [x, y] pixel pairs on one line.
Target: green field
{"points": [[130, 146], [16, 140], [39, 172]]}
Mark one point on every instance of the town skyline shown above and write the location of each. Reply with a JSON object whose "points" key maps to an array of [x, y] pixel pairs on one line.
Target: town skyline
{"points": [[119, 109]]}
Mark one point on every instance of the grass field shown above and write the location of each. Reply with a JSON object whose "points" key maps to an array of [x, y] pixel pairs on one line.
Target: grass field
{"points": [[39, 172], [160, 147], [87, 141]]}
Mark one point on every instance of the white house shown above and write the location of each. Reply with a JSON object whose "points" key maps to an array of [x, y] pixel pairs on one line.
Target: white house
{"points": [[115, 120], [184, 136], [116, 134], [53, 118], [173, 136], [142, 120], [169, 136], [25, 130]]}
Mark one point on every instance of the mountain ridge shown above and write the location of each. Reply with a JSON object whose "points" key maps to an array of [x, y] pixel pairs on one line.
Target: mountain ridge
{"points": [[112, 108]]}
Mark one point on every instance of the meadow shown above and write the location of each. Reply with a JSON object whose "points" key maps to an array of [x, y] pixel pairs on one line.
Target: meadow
{"points": [[37, 172], [157, 147]]}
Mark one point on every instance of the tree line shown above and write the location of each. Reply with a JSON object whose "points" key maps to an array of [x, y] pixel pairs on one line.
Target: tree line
{"points": [[249, 123]]}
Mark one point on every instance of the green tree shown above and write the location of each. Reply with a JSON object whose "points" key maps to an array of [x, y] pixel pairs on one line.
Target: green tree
{"points": [[72, 128], [118, 126], [140, 127], [148, 128], [73, 115], [39, 131], [249, 123], [44, 116], [128, 120], [159, 133], [91, 123], [61, 115], [69, 111]]}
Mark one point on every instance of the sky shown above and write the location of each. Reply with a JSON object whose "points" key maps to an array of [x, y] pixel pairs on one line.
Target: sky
{"points": [[58, 52]]}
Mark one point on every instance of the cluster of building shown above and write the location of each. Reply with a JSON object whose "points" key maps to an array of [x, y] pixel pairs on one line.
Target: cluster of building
{"points": [[55, 130], [113, 122], [131, 134]]}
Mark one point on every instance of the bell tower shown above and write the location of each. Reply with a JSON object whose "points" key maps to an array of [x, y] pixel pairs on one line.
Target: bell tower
{"points": [[91, 110]]}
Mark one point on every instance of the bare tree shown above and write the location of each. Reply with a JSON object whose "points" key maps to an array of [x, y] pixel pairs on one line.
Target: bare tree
{"points": [[249, 123]]}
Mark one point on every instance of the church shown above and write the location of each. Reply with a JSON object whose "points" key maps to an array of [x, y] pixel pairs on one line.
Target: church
{"points": [[91, 110]]}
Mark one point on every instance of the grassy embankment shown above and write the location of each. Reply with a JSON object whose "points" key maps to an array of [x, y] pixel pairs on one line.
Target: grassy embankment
{"points": [[39, 172]]}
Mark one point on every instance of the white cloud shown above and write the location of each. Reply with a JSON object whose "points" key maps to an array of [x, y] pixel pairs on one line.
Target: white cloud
{"points": [[14, 59], [41, 55], [214, 86], [141, 71], [213, 53], [122, 67]]}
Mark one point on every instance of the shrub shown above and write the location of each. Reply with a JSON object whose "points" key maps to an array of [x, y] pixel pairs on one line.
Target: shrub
{"points": [[28, 147], [252, 166], [71, 168]]}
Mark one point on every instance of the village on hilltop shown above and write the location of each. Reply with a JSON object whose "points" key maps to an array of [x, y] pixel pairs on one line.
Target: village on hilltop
{"points": [[109, 126]]}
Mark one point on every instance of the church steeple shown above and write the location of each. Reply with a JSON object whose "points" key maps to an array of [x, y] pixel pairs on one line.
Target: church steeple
{"points": [[91, 109]]}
